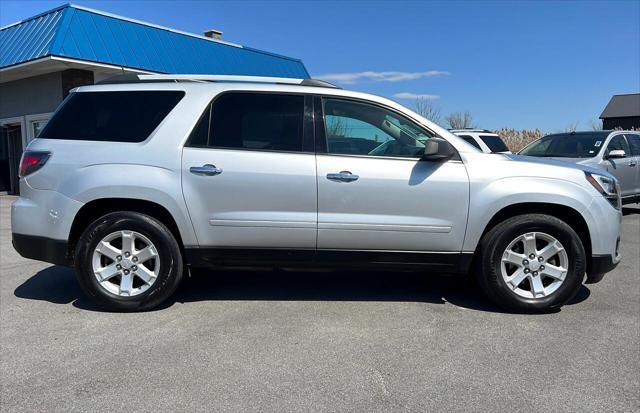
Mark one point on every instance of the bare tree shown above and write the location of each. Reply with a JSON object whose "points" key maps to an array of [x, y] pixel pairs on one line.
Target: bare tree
{"points": [[425, 108], [459, 120], [596, 124], [572, 127]]}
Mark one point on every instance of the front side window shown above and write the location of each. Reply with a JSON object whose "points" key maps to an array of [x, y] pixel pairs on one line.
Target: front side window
{"points": [[618, 143], [123, 116], [354, 128], [634, 144], [257, 122]]}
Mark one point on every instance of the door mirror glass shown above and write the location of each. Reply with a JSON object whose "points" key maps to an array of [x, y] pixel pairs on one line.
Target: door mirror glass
{"points": [[437, 149], [617, 153]]}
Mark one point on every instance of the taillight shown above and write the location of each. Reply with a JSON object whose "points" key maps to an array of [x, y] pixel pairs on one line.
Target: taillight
{"points": [[32, 161]]}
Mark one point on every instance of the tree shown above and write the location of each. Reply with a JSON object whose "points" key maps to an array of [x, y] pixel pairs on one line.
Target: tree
{"points": [[459, 120], [596, 124], [425, 108]]}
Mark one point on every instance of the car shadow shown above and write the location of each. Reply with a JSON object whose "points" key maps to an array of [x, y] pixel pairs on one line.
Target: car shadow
{"points": [[58, 285], [630, 210]]}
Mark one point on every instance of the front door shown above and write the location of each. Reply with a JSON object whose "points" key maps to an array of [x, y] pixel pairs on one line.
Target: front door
{"points": [[634, 144], [624, 169], [248, 181], [374, 191]]}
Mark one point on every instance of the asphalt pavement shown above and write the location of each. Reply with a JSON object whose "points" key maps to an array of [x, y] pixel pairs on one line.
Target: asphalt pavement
{"points": [[316, 341]]}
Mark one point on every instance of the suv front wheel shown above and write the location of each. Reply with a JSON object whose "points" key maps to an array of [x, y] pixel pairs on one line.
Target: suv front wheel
{"points": [[128, 261], [531, 263]]}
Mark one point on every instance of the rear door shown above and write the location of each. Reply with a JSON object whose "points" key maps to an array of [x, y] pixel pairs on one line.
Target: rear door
{"points": [[374, 191], [622, 168], [249, 175]]}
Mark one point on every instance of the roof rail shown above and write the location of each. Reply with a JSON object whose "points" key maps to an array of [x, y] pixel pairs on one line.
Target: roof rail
{"points": [[223, 78]]}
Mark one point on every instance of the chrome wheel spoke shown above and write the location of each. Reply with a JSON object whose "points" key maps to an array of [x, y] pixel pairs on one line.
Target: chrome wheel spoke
{"points": [[108, 250], [145, 254], [554, 272], [516, 279], [537, 288], [145, 274], [107, 272], [529, 242], [126, 284], [128, 239], [513, 258], [550, 250]]}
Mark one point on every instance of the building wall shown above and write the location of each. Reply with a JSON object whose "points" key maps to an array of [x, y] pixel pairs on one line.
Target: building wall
{"points": [[624, 123], [38, 94]]}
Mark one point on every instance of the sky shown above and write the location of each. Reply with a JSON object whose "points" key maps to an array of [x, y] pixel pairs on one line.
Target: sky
{"points": [[522, 65]]}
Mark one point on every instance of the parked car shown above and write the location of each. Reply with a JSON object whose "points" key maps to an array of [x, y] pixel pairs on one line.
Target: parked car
{"points": [[133, 184], [617, 152], [486, 141]]}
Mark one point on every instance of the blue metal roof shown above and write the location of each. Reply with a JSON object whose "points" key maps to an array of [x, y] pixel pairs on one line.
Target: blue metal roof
{"points": [[78, 33]]}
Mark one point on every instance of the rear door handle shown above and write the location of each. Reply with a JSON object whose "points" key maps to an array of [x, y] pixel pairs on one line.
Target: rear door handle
{"points": [[205, 170], [632, 163], [343, 176]]}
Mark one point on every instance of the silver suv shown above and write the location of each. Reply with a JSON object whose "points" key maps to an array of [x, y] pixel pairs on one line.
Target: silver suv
{"points": [[135, 183]]}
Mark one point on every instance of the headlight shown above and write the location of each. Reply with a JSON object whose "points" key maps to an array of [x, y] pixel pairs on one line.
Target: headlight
{"points": [[607, 186]]}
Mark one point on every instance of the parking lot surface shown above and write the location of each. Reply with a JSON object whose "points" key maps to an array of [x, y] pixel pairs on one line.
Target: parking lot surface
{"points": [[284, 341]]}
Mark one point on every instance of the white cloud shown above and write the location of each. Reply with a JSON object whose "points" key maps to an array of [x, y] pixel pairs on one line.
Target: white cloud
{"points": [[369, 76], [414, 96]]}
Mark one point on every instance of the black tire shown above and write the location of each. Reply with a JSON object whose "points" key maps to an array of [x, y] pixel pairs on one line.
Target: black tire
{"points": [[493, 245], [171, 264]]}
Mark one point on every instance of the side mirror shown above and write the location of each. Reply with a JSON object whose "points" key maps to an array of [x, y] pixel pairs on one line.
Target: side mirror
{"points": [[617, 153], [437, 149]]}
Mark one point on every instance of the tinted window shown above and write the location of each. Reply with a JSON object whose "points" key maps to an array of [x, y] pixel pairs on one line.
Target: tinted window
{"points": [[354, 128], [567, 145], [200, 134], [618, 143], [257, 121], [470, 140], [634, 143], [111, 116], [494, 143]]}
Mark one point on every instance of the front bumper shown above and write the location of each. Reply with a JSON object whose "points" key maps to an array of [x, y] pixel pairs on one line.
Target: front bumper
{"points": [[600, 265]]}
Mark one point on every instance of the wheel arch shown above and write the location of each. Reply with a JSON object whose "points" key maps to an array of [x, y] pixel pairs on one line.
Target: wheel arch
{"points": [[569, 215], [99, 207]]}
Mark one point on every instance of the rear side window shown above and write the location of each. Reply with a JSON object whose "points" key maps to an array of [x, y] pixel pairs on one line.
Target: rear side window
{"points": [[257, 122], [470, 140], [127, 116], [494, 143]]}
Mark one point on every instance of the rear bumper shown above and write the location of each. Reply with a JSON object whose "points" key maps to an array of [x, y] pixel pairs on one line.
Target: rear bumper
{"points": [[41, 249]]}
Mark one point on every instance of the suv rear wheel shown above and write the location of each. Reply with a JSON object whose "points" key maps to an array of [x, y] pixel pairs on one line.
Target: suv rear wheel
{"points": [[128, 261], [531, 263]]}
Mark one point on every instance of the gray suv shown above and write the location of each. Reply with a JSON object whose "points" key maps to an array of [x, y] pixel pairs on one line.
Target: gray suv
{"points": [[617, 152], [135, 183]]}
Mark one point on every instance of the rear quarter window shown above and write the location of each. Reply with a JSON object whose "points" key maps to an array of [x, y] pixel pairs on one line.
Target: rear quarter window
{"points": [[123, 116]]}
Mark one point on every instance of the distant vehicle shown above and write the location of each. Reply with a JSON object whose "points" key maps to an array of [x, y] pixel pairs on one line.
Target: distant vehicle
{"points": [[617, 152], [486, 141]]}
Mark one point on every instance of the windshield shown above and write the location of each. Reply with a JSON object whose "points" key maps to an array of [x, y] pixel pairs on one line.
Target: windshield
{"points": [[494, 143], [566, 145]]}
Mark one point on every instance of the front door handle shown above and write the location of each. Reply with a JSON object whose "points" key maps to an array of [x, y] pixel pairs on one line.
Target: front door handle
{"points": [[343, 176], [205, 170]]}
